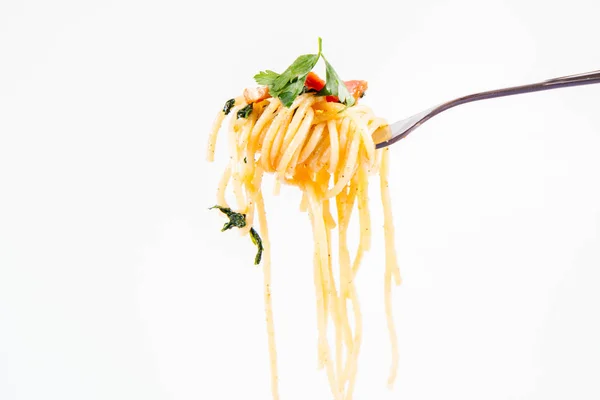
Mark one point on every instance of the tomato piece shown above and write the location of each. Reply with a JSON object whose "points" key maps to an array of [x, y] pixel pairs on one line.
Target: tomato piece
{"points": [[357, 90], [314, 82]]}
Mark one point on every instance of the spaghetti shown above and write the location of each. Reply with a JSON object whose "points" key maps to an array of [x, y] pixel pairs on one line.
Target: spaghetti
{"points": [[325, 149]]}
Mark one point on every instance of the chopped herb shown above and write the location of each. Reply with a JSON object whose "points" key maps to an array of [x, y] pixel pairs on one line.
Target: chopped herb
{"points": [[238, 220], [235, 219], [228, 105], [258, 242], [245, 161], [244, 112]]}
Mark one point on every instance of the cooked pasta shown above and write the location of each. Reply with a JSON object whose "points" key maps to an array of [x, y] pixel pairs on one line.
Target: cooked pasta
{"points": [[326, 150]]}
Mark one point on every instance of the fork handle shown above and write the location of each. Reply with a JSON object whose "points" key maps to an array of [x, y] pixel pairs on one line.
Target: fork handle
{"points": [[588, 78]]}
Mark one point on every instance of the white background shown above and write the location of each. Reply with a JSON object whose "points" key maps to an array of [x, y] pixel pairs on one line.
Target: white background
{"points": [[115, 282]]}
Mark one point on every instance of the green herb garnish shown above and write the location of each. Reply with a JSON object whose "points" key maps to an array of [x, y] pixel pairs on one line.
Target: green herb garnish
{"points": [[228, 105], [334, 86], [238, 220], [244, 112], [290, 84], [258, 242], [235, 219]]}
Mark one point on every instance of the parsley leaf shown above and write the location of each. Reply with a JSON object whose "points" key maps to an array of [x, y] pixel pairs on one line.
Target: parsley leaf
{"points": [[289, 85], [299, 68], [266, 77], [291, 91], [334, 86]]}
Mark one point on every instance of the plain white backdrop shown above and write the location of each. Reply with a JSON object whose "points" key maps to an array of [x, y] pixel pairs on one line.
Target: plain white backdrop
{"points": [[115, 282]]}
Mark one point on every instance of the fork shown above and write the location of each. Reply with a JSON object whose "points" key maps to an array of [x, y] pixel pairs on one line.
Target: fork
{"points": [[399, 130]]}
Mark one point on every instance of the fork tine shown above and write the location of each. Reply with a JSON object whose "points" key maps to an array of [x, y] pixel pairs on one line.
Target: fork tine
{"points": [[382, 134]]}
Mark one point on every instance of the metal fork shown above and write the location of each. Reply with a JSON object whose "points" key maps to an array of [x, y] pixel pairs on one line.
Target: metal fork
{"points": [[401, 129]]}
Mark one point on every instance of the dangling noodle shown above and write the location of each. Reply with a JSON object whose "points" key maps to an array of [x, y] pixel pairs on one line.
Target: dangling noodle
{"points": [[327, 151]]}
